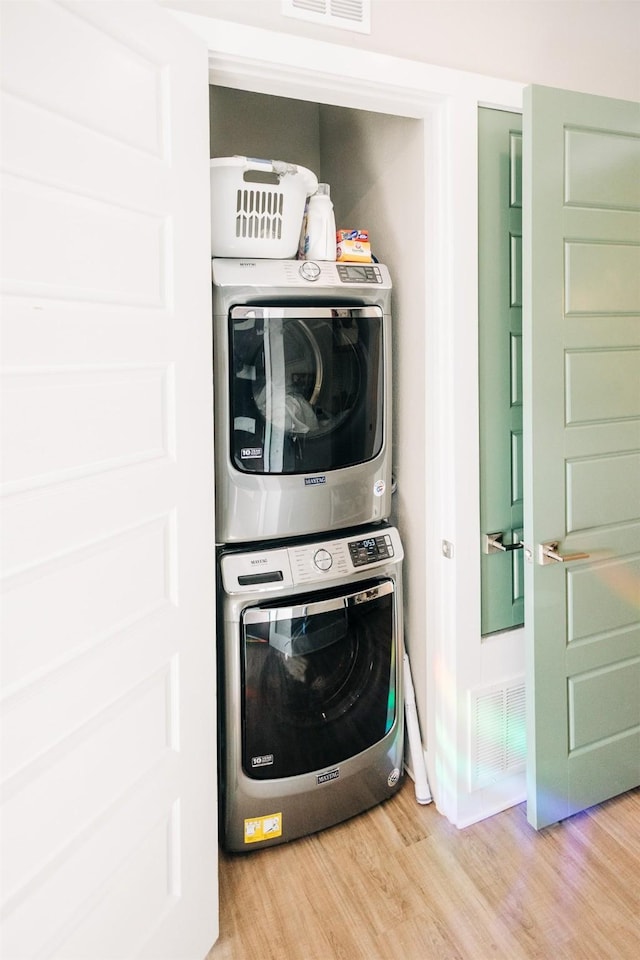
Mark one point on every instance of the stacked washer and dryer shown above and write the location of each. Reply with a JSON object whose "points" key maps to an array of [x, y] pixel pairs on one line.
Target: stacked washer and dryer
{"points": [[310, 585]]}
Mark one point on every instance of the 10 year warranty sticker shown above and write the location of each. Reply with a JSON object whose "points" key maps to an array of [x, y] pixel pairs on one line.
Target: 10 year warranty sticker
{"points": [[263, 828]]}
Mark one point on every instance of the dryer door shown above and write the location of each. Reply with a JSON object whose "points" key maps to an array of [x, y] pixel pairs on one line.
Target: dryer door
{"points": [[306, 387], [319, 679]]}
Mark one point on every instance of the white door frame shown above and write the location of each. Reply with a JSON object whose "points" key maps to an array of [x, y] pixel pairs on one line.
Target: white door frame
{"points": [[252, 59]]}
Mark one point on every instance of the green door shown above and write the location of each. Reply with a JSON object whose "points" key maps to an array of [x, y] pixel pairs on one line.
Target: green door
{"points": [[500, 366], [581, 257]]}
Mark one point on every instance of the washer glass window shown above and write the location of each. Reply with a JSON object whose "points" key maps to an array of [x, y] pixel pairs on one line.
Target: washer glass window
{"points": [[306, 388], [318, 679]]}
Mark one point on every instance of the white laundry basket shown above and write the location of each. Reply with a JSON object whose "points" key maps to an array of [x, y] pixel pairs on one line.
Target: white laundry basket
{"points": [[257, 207]]}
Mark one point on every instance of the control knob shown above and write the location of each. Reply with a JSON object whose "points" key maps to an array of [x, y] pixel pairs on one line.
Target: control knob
{"points": [[323, 559], [309, 270]]}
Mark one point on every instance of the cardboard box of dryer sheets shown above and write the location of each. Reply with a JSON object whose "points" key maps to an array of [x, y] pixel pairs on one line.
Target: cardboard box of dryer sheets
{"points": [[352, 246]]}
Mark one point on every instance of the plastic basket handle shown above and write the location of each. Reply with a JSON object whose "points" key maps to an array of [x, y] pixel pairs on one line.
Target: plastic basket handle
{"points": [[281, 169], [255, 163]]}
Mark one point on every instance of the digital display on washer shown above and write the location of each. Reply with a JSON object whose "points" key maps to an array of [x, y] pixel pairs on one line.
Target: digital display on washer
{"points": [[358, 273], [370, 550]]}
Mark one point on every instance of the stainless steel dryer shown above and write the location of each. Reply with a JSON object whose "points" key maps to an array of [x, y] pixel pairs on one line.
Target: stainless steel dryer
{"points": [[312, 720], [302, 381]]}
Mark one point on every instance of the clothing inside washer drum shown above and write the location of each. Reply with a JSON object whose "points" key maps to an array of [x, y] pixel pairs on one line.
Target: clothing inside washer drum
{"points": [[299, 398]]}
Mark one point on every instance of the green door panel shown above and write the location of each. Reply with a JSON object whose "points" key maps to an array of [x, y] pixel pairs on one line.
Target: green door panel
{"points": [[500, 364], [616, 477], [618, 374], [603, 165], [588, 264], [617, 687], [581, 374], [603, 598]]}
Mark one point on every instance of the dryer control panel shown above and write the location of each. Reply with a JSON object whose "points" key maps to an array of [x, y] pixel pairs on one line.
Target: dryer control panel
{"points": [[309, 563], [250, 278]]}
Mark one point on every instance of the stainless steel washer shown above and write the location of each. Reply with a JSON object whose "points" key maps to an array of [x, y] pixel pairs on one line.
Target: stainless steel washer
{"points": [[310, 684], [302, 382]]}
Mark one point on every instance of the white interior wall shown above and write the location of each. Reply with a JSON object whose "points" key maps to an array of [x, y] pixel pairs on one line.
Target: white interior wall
{"points": [[274, 128], [587, 45]]}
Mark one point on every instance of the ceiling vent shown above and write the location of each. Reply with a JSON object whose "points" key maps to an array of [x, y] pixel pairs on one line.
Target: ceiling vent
{"points": [[354, 15]]}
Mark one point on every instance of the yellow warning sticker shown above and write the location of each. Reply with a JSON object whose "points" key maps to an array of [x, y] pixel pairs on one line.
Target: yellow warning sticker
{"points": [[263, 828]]}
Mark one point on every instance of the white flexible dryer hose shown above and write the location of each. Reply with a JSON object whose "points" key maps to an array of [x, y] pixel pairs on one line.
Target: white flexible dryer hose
{"points": [[423, 793]]}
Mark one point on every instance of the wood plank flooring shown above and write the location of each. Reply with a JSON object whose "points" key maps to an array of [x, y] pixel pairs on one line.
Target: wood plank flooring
{"points": [[401, 883]]}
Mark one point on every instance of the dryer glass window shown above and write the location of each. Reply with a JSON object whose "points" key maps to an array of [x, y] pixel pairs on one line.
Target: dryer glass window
{"points": [[306, 388], [319, 679]]}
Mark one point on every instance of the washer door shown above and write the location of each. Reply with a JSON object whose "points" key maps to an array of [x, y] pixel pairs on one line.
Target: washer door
{"points": [[319, 679], [306, 388]]}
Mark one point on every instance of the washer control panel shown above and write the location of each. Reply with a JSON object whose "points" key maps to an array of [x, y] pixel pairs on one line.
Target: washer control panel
{"points": [[340, 557], [306, 563]]}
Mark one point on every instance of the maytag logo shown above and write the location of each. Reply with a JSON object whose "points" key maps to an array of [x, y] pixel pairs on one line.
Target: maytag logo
{"points": [[258, 560], [328, 776], [312, 481], [247, 263]]}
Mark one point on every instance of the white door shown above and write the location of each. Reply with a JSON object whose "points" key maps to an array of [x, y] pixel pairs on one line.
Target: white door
{"points": [[108, 686], [582, 448]]}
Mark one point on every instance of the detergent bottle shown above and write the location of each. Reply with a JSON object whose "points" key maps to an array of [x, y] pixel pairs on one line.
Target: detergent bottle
{"points": [[320, 230]]}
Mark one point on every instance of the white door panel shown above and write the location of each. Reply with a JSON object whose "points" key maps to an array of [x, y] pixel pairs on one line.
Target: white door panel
{"points": [[108, 682]]}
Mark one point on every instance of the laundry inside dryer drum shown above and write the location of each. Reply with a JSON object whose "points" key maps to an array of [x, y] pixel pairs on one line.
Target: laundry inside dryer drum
{"points": [[316, 688], [305, 392]]}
